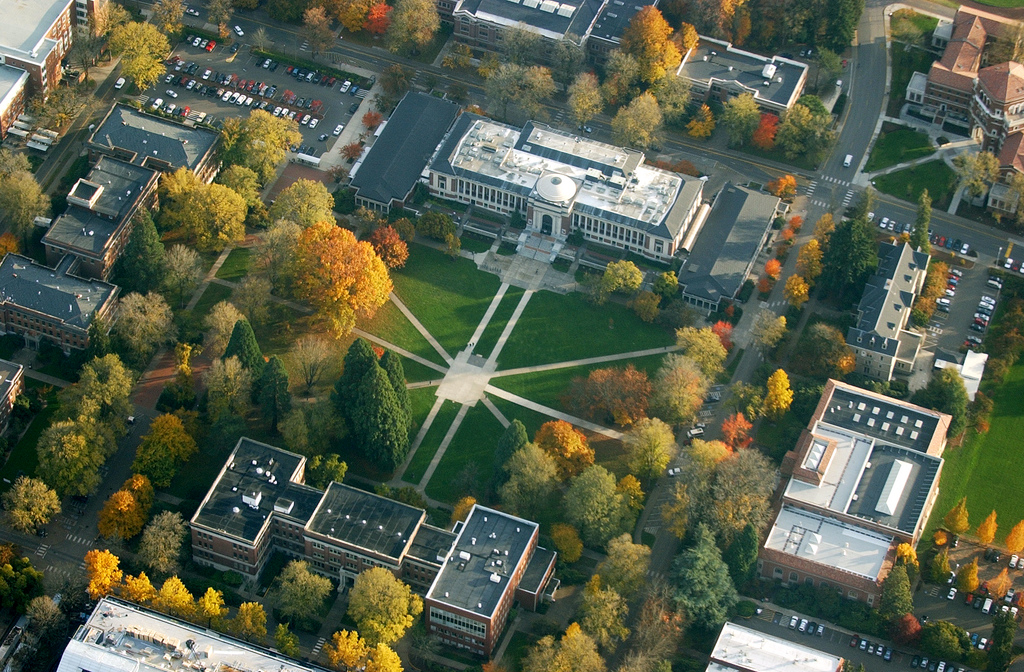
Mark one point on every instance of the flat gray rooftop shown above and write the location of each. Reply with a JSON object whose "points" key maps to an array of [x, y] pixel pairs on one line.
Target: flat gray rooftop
{"points": [[26, 22], [740, 648], [712, 61], [828, 542], [488, 550], [9, 372], [553, 19], [52, 292], [120, 636], [431, 544], [366, 520], [10, 79], [615, 17], [119, 185], [729, 241], [146, 136], [895, 423], [256, 482]]}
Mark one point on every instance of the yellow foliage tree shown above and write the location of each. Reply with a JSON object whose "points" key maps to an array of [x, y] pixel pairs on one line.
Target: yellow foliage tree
{"points": [[174, 599], [940, 538], [121, 516], [999, 585], [567, 445], [987, 529], [796, 291], [383, 659], [967, 577], [906, 554], [1015, 539], [250, 622], [703, 123], [8, 244], [346, 649], [103, 571], [632, 492], [382, 606], [343, 278], [675, 513], [462, 508], [823, 229], [567, 542], [138, 589], [210, 606], [779, 397], [808, 260], [956, 521]]}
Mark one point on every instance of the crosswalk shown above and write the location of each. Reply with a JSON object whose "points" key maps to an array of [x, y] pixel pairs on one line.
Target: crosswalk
{"points": [[811, 187], [304, 46], [848, 197], [41, 551], [836, 180], [319, 645], [80, 540]]}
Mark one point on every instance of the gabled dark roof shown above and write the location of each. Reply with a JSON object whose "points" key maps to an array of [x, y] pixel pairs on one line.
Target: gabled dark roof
{"points": [[52, 292], [149, 137], [727, 244], [887, 294], [398, 156]]}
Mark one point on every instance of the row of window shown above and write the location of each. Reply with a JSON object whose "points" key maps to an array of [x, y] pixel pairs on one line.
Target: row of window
{"points": [[458, 622], [794, 578], [614, 231], [470, 189]]}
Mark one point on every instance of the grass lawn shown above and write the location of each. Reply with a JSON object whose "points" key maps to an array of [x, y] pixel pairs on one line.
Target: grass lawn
{"points": [[283, 326], [431, 442], [390, 324], [530, 418], [904, 64], [591, 331], [1002, 3], [471, 448], [422, 400], [23, 456], [547, 387], [935, 176], [236, 266], [448, 297], [609, 453], [474, 243], [212, 295], [416, 372], [492, 332], [988, 466], [897, 146]]}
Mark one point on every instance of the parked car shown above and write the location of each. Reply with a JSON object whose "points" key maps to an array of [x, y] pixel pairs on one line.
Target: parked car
{"points": [[952, 594], [239, 31], [793, 622]]}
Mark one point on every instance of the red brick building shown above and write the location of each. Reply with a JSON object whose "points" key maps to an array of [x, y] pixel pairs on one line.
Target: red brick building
{"points": [[862, 479]]}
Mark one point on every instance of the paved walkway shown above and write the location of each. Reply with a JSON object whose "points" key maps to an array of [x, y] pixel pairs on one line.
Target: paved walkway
{"points": [[418, 439], [211, 275], [540, 408], [585, 361], [423, 330], [456, 423]]}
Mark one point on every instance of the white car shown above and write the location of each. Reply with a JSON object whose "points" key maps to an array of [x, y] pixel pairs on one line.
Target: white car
{"points": [[338, 129], [207, 74], [277, 111], [291, 115], [119, 84], [227, 96], [345, 86], [952, 594], [195, 42], [241, 100], [305, 119], [156, 103], [171, 93], [171, 107], [884, 223], [1013, 561], [313, 122], [233, 97], [239, 31], [191, 12]]}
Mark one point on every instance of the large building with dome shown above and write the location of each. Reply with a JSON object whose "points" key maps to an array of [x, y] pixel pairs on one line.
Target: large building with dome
{"points": [[559, 182]]}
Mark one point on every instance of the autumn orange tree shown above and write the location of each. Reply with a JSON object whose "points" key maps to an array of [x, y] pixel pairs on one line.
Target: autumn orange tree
{"points": [[808, 260], [723, 330], [8, 244], [346, 649], [352, 150], [389, 246], [372, 119], [343, 278], [378, 19], [703, 123], [783, 187], [773, 269], [620, 395], [648, 39], [735, 430], [764, 134], [102, 568], [999, 585], [987, 529], [126, 511], [567, 445], [967, 576], [1015, 538], [138, 589]]}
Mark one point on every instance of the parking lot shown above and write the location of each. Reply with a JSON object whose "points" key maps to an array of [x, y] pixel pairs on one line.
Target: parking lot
{"points": [[220, 84], [961, 318]]}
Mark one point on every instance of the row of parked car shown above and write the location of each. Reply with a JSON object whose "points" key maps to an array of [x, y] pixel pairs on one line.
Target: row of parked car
{"points": [[934, 665], [883, 652]]}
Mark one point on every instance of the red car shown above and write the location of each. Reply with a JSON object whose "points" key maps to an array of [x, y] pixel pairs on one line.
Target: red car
{"points": [[211, 45], [854, 641]]}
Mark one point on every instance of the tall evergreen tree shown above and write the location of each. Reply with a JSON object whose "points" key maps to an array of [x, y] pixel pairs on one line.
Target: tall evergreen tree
{"points": [[704, 588], [843, 19], [514, 438], [392, 365], [359, 359], [741, 556], [378, 421], [140, 268], [274, 396], [244, 346], [919, 234], [896, 598], [851, 257], [99, 339]]}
